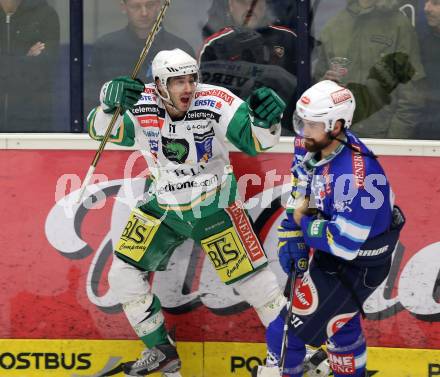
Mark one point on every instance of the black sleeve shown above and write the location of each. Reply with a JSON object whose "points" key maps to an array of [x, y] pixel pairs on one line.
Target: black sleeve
{"points": [[35, 70]]}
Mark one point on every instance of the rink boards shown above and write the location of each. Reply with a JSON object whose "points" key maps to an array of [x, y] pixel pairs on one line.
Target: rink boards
{"points": [[56, 256], [87, 358]]}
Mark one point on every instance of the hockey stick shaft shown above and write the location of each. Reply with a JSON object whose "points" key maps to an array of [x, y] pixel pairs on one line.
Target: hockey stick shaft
{"points": [[292, 283], [249, 12], [265, 371], [118, 110]]}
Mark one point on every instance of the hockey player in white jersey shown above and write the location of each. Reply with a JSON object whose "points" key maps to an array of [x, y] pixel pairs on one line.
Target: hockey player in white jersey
{"points": [[181, 125]]}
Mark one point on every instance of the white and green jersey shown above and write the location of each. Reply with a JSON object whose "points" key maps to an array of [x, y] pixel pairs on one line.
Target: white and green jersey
{"points": [[188, 158]]}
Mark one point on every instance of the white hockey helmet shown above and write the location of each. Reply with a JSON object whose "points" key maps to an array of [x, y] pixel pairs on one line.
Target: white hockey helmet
{"points": [[325, 102], [172, 63]]}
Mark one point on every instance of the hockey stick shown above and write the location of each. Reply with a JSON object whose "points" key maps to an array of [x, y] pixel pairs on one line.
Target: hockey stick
{"points": [[249, 12], [118, 110], [263, 371], [292, 283]]}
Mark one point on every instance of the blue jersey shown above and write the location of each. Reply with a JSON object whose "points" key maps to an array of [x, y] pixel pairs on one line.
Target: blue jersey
{"points": [[355, 227], [351, 194]]}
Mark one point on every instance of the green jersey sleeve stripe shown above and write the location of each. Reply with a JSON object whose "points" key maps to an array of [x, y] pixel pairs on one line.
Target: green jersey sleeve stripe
{"points": [[91, 125], [125, 135], [240, 134]]}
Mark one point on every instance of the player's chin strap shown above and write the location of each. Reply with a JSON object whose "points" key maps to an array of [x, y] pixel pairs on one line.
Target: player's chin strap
{"points": [[352, 147], [167, 99]]}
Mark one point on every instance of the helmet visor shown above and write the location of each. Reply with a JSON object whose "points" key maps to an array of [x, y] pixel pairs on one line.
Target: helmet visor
{"points": [[307, 128]]}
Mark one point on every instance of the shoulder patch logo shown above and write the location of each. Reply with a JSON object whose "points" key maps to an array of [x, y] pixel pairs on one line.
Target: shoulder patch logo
{"points": [[279, 51], [315, 228]]}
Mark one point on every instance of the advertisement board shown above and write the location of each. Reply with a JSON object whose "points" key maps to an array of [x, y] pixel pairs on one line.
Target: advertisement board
{"points": [[56, 254], [99, 358]]}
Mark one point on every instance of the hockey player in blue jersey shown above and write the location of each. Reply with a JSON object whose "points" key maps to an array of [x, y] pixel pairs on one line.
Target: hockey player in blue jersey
{"points": [[341, 218]]}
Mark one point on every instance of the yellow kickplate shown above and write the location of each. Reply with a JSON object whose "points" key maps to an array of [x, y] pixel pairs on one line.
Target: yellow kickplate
{"points": [[238, 359], [93, 358], [83, 358]]}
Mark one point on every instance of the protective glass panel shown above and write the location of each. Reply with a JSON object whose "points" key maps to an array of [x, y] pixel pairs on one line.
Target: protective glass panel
{"points": [[249, 54], [376, 49], [34, 46]]}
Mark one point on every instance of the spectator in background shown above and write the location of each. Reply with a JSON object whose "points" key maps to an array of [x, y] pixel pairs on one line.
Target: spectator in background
{"points": [[365, 33], [286, 11], [29, 42], [225, 13], [116, 53], [430, 47], [282, 12], [247, 50]]}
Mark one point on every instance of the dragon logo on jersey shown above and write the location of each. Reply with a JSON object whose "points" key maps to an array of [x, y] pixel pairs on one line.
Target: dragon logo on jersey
{"points": [[175, 150], [204, 145]]}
